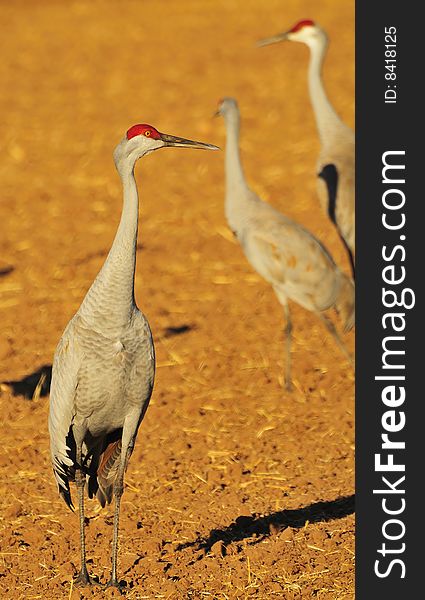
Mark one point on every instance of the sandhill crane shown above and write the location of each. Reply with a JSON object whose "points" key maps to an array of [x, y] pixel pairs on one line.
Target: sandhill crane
{"points": [[103, 368], [288, 256], [335, 166]]}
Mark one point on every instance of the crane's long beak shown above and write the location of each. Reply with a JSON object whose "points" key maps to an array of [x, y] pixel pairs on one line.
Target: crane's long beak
{"points": [[171, 140], [280, 37]]}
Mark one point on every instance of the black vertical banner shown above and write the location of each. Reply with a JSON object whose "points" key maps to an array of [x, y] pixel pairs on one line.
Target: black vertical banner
{"points": [[390, 273]]}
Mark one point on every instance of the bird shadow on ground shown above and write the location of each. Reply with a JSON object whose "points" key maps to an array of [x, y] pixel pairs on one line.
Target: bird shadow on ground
{"points": [[34, 384], [6, 270], [171, 331], [264, 526]]}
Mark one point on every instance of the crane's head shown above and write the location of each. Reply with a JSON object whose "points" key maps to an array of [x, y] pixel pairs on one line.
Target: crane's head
{"points": [[226, 107], [141, 139], [305, 31]]}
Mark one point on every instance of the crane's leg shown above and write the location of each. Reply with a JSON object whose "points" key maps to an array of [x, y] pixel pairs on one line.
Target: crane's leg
{"points": [[332, 330], [127, 448], [288, 343], [118, 491], [80, 479]]}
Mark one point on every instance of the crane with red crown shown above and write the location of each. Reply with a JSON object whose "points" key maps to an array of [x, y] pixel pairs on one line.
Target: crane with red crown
{"points": [[104, 364], [335, 165]]}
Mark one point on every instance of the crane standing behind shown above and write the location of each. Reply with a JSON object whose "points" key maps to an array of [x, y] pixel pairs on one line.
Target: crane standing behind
{"points": [[336, 162], [288, 256], [103, 368]]}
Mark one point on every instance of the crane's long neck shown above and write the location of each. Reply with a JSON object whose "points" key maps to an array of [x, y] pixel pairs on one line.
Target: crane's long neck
{"points": [[237, 190], [109, 303], [327, 120]]}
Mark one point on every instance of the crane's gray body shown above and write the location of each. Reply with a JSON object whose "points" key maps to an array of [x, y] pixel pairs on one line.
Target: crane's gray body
{"points": [[337, 140], [103, 374], [289, 257], [337, 199], [103, 368], [101, 381], [336, 161], [286, 254], [104, 365]]}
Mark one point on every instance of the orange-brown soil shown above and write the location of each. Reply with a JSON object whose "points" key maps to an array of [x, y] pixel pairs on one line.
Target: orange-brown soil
{"points": [[236, 488]]}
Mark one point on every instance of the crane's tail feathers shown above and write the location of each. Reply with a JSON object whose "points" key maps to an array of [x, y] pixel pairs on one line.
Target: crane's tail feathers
{"points": [[345, 303], [102, 499], [107, 471], [66, 495], [64, 473]]}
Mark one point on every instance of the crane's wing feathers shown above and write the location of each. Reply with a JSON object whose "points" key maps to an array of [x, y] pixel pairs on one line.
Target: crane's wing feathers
{"points": [[288, 251], [66, 364], [329, 174], [297, 265]]}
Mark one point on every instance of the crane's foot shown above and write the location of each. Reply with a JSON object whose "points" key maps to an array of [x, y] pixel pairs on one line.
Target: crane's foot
{"points": [[288, 385], [119, 585], [83, 579]]}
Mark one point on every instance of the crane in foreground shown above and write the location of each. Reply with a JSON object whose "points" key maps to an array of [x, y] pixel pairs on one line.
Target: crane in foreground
{"points": [[104, 364], [284, 253], [336, 162]]}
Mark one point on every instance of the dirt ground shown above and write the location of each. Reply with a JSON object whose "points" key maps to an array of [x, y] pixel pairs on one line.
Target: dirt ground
{"points": [[236, 488]]}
